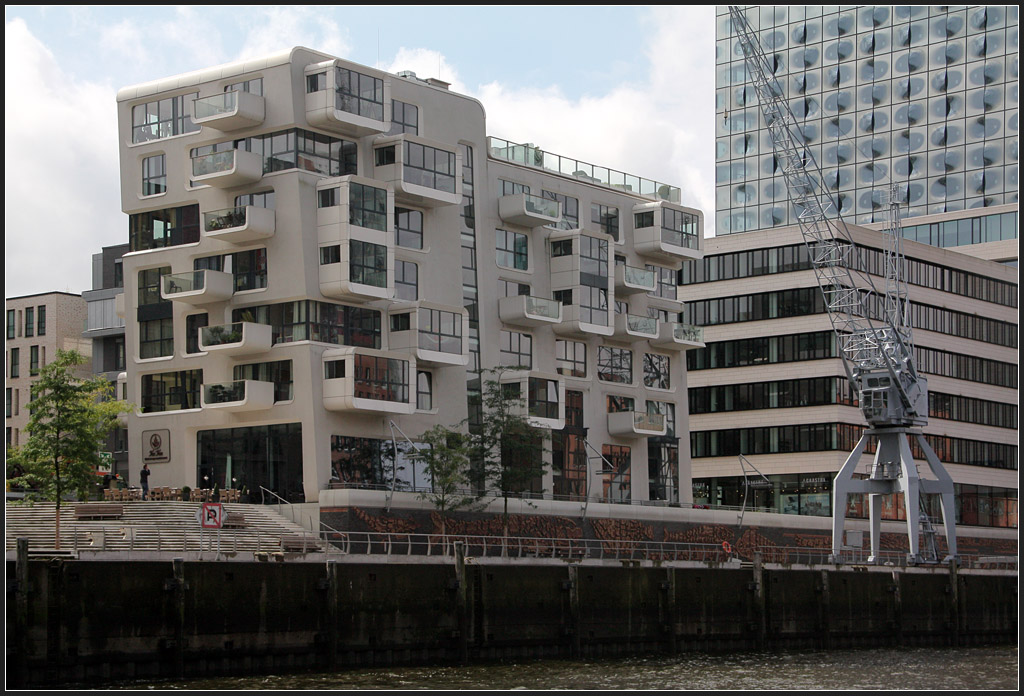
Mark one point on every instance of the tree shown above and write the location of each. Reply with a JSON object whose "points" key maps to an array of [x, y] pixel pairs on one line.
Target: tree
{"points": [[69, 420], [446, 459], [509, 450]]}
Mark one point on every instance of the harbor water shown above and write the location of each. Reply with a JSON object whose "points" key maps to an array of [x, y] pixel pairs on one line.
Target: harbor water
{"points": [[986, 668]]}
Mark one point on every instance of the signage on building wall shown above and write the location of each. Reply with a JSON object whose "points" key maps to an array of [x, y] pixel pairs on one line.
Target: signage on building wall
{"points": [[156, 446]]}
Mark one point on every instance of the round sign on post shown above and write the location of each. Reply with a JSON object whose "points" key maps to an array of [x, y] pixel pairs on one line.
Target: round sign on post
{"points": [[211, 516]]}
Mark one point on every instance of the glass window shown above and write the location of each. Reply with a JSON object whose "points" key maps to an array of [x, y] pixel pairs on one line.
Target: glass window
{"points": [[30, 322], [278, 372], [570, 210], [12, 324], [424, 390], [429, 166], [404, 118], [171, 391], [382, 379], [657, 371], [616, 479], [193, 324], [359, 94], [408, 228], [606, 219], [163, 119], [41, 320], [516, 350], [614, 365], [154, 175], [163, 228], [440, 331], [15, 362], [571, 357], [542, 397], [368, 206], [406, 280], [33, 361], [512, 249], [368, 263], [156, 338]]}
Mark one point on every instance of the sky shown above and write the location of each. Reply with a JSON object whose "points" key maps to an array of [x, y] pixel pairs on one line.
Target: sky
{"points": [[631, 88]]}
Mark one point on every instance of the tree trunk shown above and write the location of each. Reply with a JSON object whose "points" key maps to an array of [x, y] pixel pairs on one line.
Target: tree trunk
{"points": [[56, 526]]}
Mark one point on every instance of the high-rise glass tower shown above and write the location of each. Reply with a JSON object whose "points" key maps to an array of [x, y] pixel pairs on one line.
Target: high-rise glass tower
{"points": [[923, 96]]}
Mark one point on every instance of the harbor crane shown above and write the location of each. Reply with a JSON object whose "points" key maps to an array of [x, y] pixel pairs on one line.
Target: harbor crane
{"points": [[872, 330]]}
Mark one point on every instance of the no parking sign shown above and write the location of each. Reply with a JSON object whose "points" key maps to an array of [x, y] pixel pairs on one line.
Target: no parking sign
{"points": [[211, 516]]}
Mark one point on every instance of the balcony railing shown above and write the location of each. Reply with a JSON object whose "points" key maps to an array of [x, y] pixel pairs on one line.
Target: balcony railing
{"points": [[224, 392], [216, 105], [227, 218], [630, 279], [640, 324], [679, 239], [190, 281], [213, 163], [224, 334], [688, 333], [535, 157]]}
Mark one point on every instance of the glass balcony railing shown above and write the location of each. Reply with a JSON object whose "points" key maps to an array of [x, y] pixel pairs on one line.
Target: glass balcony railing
{"points": [[688, 332], [213, 163], [638, 323], [542, 307], [649, 421], [225, 219], [190, 281], [680, 239], [535, 157], [216, 105], [638, 276], [224, 392], [224, 334], [541, 206]]}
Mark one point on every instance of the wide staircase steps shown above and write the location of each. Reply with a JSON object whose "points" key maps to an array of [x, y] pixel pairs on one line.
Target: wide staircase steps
{"points": [[170, 526]]}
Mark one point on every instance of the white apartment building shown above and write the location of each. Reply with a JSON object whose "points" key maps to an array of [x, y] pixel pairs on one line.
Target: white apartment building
{"points": [[319, 250]]}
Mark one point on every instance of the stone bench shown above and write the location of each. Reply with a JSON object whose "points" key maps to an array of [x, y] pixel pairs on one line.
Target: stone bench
{"points": [[99, 511]]}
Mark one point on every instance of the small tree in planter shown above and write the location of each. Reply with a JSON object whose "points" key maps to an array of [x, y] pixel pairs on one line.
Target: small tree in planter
{"points": [[186, 493], [445, 456]]}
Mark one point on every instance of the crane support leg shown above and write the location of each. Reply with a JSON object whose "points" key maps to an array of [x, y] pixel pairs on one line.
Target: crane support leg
{"points": [[841, 488], [910, 485], [943, 485]]}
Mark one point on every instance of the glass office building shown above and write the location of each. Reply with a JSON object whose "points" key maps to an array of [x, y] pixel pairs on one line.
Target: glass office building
{"points": [[923, 96]]}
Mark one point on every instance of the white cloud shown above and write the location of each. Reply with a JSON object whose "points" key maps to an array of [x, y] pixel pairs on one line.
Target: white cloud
{"points": [[660, 126], [277, 28], [426, 63], [61, 172]]}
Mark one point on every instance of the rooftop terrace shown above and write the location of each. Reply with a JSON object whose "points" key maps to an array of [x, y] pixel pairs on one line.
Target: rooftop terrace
{"points": [[533, 156]]}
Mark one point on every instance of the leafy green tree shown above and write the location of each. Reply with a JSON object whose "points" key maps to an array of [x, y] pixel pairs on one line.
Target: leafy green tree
{"points": [[69, 420], [446, 458], [508, 450]]}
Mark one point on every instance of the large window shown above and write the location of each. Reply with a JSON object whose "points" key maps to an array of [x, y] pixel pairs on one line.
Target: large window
{"points": [[429, 166], [406, 280], [440, 331], [154, 175], [516, 350], [512, 250], [308, 320], [248, 268], [41, 320], [542, 400], [193, 324], [294, 149], [368, 206], [359, 94], [12, 324], [404, 118], [278, 372], [163, 119], [382, 379], [368, 263], [265, 455], [156, 338], [593, 305], [666, 282], [571, 357], [614, 365], [424, 390], [606, 219], [408, 228], [33, 361], [171, 391], [570, 210], [163, 228], [616, 478], [30, 322], [657, 371], [15, 364]]}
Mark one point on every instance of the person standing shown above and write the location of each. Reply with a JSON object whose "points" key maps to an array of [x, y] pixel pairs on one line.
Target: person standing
{"points": [[144, 479]]}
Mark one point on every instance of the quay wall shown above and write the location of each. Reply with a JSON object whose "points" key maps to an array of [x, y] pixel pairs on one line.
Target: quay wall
{"points": [[98, 622]]}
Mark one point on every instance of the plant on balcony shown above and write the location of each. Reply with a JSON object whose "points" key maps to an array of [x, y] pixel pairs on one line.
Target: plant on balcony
{"points": [[234, 218], [224, 334]]}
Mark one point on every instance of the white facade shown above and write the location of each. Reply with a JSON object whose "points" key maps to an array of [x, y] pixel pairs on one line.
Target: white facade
{"points": [[319, 248]]}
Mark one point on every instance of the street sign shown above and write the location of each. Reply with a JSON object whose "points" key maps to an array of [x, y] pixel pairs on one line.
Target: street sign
{"points": [[211, 516]]}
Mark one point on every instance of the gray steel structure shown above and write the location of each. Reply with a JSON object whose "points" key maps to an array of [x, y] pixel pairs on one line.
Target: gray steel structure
{"points": [[874, 340]]}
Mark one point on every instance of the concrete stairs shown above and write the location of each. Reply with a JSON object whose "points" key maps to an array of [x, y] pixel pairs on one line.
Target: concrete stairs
{"points": [[156, 526]]}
